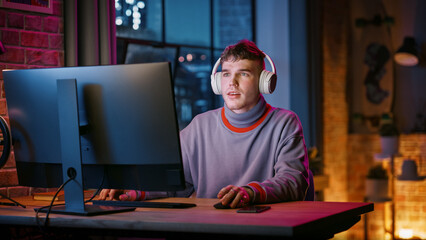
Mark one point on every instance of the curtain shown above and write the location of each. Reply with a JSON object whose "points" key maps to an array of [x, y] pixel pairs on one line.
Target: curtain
{"points": [[89, 32]]}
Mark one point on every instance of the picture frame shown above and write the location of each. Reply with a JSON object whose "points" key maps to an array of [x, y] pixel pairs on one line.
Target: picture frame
{"points": [[42, 6]]}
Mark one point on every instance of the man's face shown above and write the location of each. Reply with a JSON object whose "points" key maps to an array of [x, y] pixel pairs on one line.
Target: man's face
{"points": [[240, 84]]}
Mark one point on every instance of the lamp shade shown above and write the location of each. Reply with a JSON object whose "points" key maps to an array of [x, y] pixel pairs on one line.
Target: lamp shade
{"points": [[409, 171], [407, 54]]}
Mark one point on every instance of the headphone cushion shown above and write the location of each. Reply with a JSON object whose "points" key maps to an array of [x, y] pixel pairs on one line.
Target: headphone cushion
{"points": [[267, 82], [216, 79]]}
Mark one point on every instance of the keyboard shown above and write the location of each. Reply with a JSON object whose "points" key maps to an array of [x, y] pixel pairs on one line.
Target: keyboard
{"points": [[139, 204]]}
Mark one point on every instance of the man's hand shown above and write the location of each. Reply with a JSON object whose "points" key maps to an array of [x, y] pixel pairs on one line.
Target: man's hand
{"points": [[235, 196], [110, 194], [122, 195]]}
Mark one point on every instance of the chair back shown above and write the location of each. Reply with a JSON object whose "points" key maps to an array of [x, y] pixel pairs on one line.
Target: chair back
{"points": [[310, 193]]}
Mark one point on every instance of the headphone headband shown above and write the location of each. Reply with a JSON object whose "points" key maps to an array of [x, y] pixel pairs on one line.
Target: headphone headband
{"points": [[267, 80]]}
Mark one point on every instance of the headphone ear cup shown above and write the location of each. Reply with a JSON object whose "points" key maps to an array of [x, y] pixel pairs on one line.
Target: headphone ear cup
{"points": [[216, 79], [267, 82]]}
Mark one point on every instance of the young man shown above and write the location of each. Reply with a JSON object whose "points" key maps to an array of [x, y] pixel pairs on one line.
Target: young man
{"points": [[245, 152]]}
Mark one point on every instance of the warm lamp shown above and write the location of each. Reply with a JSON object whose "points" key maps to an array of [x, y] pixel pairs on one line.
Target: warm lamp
{"points": [[405, 233], [407, 54]]}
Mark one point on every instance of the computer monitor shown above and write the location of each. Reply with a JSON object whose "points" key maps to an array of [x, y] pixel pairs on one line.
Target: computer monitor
{"points": [[111, 126]]}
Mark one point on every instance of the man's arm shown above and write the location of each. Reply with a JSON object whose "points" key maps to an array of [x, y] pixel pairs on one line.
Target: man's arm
{"points": [[290, 181]]}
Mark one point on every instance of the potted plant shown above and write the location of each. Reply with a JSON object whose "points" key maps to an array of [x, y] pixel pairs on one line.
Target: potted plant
{"points": [[376, 187], [315, 161], [388, 135]]}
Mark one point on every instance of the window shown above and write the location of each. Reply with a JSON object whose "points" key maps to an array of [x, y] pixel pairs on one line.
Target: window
{"points": [[190, 34]]}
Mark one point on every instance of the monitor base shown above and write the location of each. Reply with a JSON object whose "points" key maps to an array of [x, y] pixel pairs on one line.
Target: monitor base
{"points": [[89, 210]]}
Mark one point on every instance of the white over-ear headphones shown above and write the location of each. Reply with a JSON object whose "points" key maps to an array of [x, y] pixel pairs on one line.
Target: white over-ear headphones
{"points": [[267, 80]]}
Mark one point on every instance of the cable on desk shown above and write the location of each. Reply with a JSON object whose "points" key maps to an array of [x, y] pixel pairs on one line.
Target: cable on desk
{"points": [[12, 203], [98, 190], [51, 205], [53, 200]]}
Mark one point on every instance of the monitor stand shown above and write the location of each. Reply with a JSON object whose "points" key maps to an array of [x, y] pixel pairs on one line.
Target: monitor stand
{"points": [[71, 156]]}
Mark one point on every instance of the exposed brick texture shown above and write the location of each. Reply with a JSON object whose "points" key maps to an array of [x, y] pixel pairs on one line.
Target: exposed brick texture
{"points": [[15, 20], [51, 24], [33, 23], [57, 8], [11, 162], [348, 157], [335, 52], [18, 191], [32, 40], [42, 57], [56, 41], [3, 108], [2, 18], [2, 95], [10, 37], [13, 55], [410, 196], [8, 178], [3, 191]]}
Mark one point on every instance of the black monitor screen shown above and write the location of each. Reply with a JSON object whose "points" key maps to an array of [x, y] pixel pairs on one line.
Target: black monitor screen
{"points": [[128, 131]]}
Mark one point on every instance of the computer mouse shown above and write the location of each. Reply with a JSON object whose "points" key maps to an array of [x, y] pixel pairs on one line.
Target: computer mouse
{"points": [[220, 206]]}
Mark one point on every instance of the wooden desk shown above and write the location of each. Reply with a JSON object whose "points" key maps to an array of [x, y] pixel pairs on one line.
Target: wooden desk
{"points": [[283, 220]]}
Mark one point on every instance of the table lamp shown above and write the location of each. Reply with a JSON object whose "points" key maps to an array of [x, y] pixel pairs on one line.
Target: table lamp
{"points": [[407, 54]]}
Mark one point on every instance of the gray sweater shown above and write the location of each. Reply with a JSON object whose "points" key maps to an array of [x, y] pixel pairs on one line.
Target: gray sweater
{"points": [[263, 148]]}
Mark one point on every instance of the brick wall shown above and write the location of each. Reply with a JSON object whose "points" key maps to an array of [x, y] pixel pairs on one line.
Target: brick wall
{"points": [[410, 196], [335, 108], [32, 40], [347, 157]]}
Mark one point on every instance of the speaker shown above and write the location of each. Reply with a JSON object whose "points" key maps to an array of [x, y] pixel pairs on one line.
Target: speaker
{"points": [[267, 80]]}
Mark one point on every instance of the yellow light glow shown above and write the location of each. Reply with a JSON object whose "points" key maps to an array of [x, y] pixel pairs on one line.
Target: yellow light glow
{"points": [[405, 233]]}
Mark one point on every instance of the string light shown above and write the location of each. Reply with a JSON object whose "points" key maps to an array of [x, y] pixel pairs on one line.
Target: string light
{"points": [[132, 10], [141, 5], [119, 21]]}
